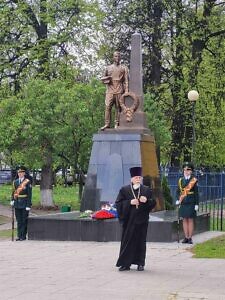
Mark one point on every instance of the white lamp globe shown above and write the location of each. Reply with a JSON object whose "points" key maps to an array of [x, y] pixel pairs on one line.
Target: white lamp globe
{"points": [[193, 95]]}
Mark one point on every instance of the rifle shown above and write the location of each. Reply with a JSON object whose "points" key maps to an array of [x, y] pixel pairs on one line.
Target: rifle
{"points": [[178, 224], [12, 223]]}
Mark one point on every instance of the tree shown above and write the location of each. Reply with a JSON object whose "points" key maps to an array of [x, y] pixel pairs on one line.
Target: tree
{"points": [[166, 194], [49, 123], [182, 33], [38, 37], [158, 125], [123, 18], [43, 40]]}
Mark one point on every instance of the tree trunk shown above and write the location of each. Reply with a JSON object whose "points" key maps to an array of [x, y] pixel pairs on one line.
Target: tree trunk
{"points": [[177, 90], [46, 183], [156, 58]]}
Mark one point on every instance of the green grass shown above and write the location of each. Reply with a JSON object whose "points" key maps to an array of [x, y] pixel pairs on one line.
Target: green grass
{"points": [[61, 196], [7, 233], [214, 248]]}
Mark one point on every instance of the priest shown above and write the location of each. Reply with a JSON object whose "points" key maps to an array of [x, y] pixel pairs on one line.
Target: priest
{"points": [[134, 203]]}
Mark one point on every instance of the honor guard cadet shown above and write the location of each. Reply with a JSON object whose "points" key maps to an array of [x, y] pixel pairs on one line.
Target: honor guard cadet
{"points": [[188, 200], [134, 203], [21, 200]]}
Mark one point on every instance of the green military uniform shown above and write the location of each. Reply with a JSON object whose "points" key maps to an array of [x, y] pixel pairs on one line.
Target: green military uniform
{"points": [[22, 204], [187, 207]]}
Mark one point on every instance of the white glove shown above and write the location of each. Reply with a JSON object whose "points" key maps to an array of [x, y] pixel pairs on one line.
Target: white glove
{"points": [[28, 208], [177, 202], [196, 207], [12, 203]]}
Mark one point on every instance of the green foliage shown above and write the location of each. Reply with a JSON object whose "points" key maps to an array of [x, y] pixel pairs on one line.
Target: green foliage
{"points": [[7, 233], [214, 248], [61, 196], [166, 194], [56, 116], [183, 49], [210, 109], [158, 125], [37, 36]]}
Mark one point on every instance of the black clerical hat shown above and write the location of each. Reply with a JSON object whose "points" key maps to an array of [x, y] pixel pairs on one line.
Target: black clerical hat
{"points": [[135, 171]]}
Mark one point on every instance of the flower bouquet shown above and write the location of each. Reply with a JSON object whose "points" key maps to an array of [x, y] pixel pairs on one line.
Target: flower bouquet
{"points": [[86, 214], [107, 211]]}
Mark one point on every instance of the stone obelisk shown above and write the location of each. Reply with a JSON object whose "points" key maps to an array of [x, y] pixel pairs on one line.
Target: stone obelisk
{"points": [[115, 151], [139, 123]]}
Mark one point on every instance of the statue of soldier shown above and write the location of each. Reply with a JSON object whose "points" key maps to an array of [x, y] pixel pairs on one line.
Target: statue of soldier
{"points": [[116, 80]]}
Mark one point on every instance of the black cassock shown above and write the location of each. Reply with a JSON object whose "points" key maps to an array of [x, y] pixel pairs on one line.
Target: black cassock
{"points": [[135, 224]]}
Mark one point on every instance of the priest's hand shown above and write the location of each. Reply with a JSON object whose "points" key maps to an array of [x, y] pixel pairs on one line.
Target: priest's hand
{"points": [[143, 199], [134, 202]]}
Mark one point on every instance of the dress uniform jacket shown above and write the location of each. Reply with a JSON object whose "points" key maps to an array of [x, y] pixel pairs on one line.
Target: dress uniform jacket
{"points": [[187, 207], [24, 198], [21, 202]]}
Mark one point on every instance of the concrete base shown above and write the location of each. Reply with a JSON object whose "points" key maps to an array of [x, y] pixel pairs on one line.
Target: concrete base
{"points": [[69, 227]]}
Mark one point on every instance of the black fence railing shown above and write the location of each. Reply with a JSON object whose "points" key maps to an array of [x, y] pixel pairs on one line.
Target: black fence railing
{"points": [[5, 176], [211, 195]]}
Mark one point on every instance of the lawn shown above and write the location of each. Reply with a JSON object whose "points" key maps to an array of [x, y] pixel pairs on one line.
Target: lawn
{"points": [[61, 196], [7, 233], [214, 248]]}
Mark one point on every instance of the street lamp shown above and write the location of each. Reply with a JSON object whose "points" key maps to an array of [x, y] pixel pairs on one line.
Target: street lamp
{"points": [[193, 97]]}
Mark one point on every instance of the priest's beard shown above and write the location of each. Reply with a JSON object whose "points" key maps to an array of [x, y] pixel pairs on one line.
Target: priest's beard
{"points": [[136, 186]]}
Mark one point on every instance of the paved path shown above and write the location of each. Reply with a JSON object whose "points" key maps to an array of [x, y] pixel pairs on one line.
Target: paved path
{"points": [[35, 270]]}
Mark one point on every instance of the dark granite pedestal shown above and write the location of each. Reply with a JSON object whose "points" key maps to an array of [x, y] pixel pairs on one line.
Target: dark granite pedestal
{"points": [[69, 227], [113, 154]]}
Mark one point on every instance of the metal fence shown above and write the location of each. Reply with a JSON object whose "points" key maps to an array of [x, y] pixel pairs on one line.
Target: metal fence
{"points": [[5, 176], [211, 188]]}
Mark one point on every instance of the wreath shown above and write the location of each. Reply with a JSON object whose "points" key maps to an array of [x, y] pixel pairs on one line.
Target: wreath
{"points": [[129, 111]]}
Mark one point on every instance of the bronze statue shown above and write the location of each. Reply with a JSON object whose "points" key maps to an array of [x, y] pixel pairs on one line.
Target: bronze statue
{"points": [[116, 80]]}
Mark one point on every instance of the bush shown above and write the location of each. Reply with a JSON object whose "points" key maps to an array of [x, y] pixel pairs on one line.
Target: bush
{"points": [[167, 195]]}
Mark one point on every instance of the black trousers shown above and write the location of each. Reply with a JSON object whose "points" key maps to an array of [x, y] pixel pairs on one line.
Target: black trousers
{"points": [[21, 218]]}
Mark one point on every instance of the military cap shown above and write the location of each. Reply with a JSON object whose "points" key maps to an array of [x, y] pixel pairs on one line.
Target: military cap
{"points": [[188, 165], [21, 169]]}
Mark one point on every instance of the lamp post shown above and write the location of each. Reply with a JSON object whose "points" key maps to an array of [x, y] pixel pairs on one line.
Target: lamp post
{"points": [[193, 97]]}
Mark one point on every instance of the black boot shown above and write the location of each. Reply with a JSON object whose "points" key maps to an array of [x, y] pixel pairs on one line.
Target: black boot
{"points": [[122, 268], [185, 241], [140, 268]]}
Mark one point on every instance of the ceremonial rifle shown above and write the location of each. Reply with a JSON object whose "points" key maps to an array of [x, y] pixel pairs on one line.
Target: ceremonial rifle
{"points": [[178, 224], [12, 222]]}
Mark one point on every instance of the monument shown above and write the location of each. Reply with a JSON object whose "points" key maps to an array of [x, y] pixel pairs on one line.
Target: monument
{"points": [[114, 151], [129, 144]]}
